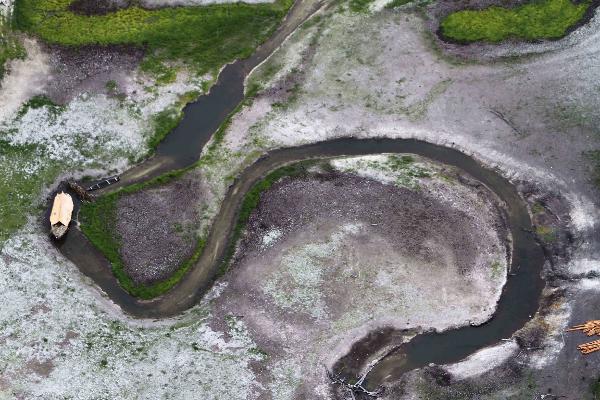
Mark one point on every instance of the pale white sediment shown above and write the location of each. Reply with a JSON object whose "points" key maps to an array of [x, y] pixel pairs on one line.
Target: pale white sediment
{"points": [[54, 331], [26, 79], [483, 361], [6, 7]]}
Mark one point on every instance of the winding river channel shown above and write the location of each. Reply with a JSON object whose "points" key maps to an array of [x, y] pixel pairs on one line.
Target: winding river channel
{"points": [[520, 296]]}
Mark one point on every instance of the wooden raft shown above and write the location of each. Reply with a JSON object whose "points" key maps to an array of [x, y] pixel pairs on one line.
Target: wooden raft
{"points": [[590, 328]]}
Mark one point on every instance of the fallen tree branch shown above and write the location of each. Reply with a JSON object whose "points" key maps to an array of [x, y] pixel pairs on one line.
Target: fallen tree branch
{"points": [[357, 387]]}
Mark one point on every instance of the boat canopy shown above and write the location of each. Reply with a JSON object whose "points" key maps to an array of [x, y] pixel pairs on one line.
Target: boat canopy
{"points": [[62, 209]]}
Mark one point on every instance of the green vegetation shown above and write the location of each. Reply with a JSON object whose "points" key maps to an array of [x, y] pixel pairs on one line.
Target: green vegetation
{"points": [[98, 221], [164, 122], [496, 269], [20, 183], [40, 102], [537, 208], [204, 37], [546, 233], [540, 19], [250, 202], [407, 173], [167, 120], [112, 86], [10, 46], [159, 70], [360, 5]]}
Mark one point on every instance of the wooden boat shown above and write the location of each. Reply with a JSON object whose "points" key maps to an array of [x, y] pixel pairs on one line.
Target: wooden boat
{"points": [[104, 183], [61, 213]]}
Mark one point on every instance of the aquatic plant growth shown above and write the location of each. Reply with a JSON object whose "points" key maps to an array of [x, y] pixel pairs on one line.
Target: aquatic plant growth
{"points": [[204, 37], [545, 19]]}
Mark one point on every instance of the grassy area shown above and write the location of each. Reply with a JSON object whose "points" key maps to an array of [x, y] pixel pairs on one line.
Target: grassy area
{"points": [[40, 102], [360, 5], [541, 19], [203, 37], [546, 233], [10, 46], [20, 184], [98, 221], [250, 202], [167, 120]]}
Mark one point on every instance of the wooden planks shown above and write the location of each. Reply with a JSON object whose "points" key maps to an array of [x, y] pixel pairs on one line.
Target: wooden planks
{"points": [[590, 328]]}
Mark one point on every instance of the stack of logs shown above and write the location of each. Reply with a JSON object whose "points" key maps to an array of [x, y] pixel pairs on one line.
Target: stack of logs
{"points": [[590, 328]]}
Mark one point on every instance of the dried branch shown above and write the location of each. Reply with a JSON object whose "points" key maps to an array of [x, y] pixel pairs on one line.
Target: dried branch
{"points": [[356, 388], [506, 121]]}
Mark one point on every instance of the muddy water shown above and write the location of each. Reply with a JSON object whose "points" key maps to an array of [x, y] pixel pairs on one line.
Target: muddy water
{"points": [[519, 300]]}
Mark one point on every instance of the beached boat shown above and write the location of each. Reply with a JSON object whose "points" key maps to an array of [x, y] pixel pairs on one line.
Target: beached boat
{"points": [[60, 216]]}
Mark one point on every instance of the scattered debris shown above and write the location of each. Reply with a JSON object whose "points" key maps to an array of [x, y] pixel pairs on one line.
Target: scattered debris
{"points": [[60, 216], [104, 183], [590, 347], [80, 191], [590, 328], [357, 387]]}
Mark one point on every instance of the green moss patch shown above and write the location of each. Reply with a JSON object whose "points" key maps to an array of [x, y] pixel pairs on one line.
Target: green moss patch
{"points": [[546, 233], [542, 19], [204, 37]]}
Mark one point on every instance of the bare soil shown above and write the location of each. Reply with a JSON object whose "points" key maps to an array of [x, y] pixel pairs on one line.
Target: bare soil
{"points": [[97, 7], [88, 69], [331, 257], [159, 228]]}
